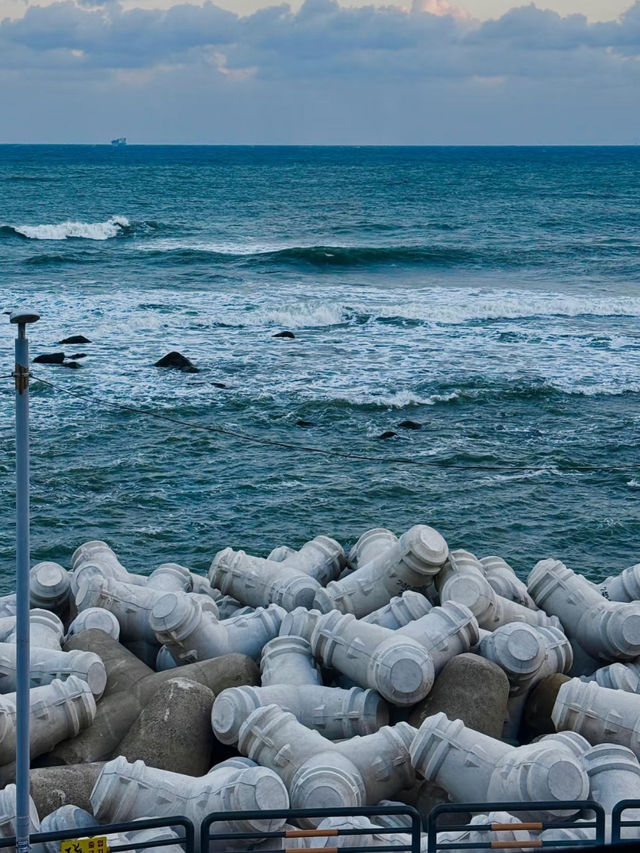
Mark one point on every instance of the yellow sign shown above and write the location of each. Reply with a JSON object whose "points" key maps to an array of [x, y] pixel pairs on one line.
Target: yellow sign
{"points": [[96, 844]]}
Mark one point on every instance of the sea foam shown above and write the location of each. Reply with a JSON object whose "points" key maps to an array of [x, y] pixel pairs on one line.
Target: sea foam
{"points": [[112, 227]]}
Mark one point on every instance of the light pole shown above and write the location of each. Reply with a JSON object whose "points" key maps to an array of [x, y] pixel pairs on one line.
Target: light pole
{"points": [[23, 673]]}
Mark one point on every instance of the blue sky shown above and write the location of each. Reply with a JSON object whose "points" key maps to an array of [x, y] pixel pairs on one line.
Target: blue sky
{"points": [[415, 72]]}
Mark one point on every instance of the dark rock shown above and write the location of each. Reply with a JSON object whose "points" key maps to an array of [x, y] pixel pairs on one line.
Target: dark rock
{"points": [[388, 434], [52, 787], [409, 425], [219, 385], [177, 361], [302, 423], [72, 364], [77, 355], [283, 335], [75, 339], [173, 731], [471, 689], [49, 358]]}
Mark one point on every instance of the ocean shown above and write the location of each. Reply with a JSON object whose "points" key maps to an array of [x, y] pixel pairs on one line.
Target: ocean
{"points": [[489, 295]]}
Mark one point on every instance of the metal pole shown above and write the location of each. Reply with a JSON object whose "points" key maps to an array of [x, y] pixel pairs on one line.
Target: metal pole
{"points": [[23, 674]]}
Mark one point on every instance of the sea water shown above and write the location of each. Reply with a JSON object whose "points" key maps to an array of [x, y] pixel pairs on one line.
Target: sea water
{"points": [[490, 295]]}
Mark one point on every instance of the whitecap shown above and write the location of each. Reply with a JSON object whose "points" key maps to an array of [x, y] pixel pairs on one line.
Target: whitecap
{"points": [[112, 227]]}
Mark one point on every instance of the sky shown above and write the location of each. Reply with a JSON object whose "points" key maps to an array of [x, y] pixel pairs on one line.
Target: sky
{"points": [[416, 72]]}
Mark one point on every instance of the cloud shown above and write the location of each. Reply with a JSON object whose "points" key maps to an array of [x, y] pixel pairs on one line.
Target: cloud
{"points": [[424, 68], [321, 40]]}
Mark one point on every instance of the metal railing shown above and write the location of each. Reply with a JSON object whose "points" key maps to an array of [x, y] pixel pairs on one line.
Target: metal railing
{"points": [[618, 822], [433, 827], [411, 828], [186, 839]]}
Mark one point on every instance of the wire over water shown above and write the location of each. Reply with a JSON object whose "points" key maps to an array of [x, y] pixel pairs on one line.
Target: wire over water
{"points": [[387, 460]]}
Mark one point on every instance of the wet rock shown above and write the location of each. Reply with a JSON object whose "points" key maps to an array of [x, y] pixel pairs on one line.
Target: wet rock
{"points": [[218, 385], [49, 358], [409, 425], [173, 731], [387, 434], [302, 423], [470, 689], [72, 364], [78, 355], [284, 335], [177, 361], [75, 339]]}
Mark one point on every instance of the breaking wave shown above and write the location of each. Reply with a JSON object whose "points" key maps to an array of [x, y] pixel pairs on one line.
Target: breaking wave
{"points": [[115, 226]]}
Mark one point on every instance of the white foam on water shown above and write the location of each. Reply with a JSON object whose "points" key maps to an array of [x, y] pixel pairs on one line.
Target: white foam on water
{"points": [[78, 230]]}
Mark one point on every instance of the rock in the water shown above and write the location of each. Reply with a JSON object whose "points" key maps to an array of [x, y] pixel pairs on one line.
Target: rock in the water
{"points": [[218, 385], [75, 339], [78, 355], [49, 358], [52, 787], [302, 423], [177, 361], [387, 434], [283, 335], [409, 425], [470, 689], [72, 364], [173, 731]]}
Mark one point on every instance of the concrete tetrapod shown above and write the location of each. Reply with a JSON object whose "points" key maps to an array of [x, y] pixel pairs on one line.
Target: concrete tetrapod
{"points": [[53, 787], [322, 774], [616, 676], [372, 839], [600, 714], [57, 711], [371, 545], [46, 630], [300, 623], [127, 791], [401, 610], [444, 632], [191, 634], [505, 581], [259, 582], [606, 630], [124, 669], [510, 838], [8, 814], [95, 617], [173, 731], [64, 818], [322, 558], [130, 604], [290, 680], [398, 667], [48, 665], [117, 711], [614, 775], [622, 587], [288, 660], [490, 609], [473, 767], [411, 562], [99, 555], [50, 587]]}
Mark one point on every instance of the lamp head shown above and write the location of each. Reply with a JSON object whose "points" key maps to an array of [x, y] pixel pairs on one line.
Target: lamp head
{"points": [[22, 317]]}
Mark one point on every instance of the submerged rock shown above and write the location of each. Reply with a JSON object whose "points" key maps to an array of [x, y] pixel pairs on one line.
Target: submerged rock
{"points": [[387, 434], [75, 339], [49, 358], [177, 361], [283, 335], [409, 425]]}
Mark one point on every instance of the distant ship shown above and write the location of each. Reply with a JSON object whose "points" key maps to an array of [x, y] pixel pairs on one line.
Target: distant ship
{"points": [[120, 141]]}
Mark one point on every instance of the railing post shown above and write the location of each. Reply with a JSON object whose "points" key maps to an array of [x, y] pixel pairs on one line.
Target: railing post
{"points": [[23, 674]]}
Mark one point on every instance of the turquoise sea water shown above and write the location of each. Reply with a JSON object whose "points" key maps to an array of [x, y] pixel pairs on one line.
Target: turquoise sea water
{"points": [[490, 294]]}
